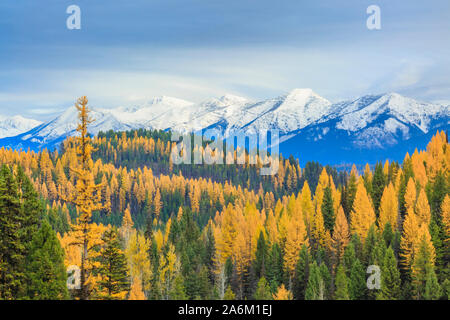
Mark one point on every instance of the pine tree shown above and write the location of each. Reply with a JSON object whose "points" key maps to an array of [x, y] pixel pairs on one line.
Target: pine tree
{"points": [[433, 290], [113, 270], [328, 209], [178, 292], [263, 290], [45, 270], [378, 184], [315, 289], [349, 193], [357, 281], [302, 273], [260, 257], [390, 278], [12, 248], [341, 292]]}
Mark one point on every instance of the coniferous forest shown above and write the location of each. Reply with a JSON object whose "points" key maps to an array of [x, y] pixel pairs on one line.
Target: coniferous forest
{"points": [[111, 217]]}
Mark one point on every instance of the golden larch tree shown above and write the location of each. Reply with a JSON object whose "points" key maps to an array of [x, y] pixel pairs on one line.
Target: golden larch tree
{"points": [[388, 208], [341, 235], [423, 208], [409, 239], [87, 197], [362, 216]]}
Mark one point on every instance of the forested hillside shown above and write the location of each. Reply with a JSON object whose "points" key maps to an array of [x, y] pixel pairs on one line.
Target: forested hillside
{"points": [[138, 226]]}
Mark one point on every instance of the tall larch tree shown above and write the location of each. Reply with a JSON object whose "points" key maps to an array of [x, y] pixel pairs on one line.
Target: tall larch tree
{"points": [[423, 208], [409, 239], [341, 235], [388, 211], [362, 215], [87, 196], [295, 239]]}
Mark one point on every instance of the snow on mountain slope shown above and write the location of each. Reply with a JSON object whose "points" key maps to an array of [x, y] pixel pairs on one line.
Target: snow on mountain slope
{"points": [[158, 113], [12, 126], [368, 129], [287, 113], [361, 112], [211, 112], [161, 112], [375, 125]]}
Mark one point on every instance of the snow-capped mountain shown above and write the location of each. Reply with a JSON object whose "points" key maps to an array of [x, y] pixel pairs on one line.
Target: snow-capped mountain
{"points": [[12, 126], [366, 129]]}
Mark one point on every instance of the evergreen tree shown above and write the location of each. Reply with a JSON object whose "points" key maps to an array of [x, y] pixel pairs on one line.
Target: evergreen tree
{"points": [[422, 266], [274, 269], [263, 290], [260, 257], [357, 281], [315, 289], [302, 273], [378, 184], [328, 209], [433, 290], [113, 269], [12, 248], [45, 270], [178, 291], [390, 278], [341, 292]]}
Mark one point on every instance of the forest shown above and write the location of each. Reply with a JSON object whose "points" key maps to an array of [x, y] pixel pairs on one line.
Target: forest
{"points": [[110, 217]]}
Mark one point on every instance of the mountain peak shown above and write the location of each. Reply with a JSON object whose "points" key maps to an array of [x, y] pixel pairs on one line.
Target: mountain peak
{"points": [[11, 126], [301, 92], [165, 100], [232, 99]]}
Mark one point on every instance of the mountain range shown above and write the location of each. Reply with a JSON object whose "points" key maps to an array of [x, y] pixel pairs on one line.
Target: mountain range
{"points": [[366, 129]]}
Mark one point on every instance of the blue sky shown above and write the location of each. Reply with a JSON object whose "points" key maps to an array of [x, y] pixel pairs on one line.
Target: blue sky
{"points": [[129, 51]]}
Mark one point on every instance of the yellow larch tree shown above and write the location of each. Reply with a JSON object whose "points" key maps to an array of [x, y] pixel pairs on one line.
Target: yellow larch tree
{"points": [[86, 197], [409, 239], [410, 195], [341, 235], [306, 204], [296, 237], [136, 292], [446, 216], [423, 208], [138, 260], [388, 208], [362, 216], [282, 294], [157, 204], [127, 225]]}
